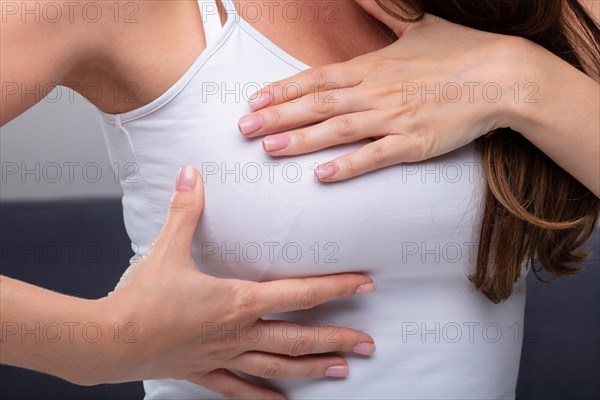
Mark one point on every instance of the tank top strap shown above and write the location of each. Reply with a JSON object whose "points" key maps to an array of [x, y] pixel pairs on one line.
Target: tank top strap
{"points": [[229, 6], [210, 20]]}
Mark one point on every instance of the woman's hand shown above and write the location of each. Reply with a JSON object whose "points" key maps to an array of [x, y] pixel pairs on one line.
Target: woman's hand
{"points": [[438, 87], [196, 327]]}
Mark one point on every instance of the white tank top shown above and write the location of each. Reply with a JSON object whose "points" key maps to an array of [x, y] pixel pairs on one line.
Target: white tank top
{"points": [[413, 228]]}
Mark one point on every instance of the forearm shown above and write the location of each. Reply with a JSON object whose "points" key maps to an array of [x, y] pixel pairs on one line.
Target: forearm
{"points": [[52, 333], [563, 119]]}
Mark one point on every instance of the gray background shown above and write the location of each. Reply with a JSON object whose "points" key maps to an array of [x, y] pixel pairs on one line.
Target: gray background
{"points": [[61, 132]]}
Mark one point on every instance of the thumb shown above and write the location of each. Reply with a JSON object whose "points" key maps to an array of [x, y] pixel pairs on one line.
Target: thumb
{"points": [[185, 208]]}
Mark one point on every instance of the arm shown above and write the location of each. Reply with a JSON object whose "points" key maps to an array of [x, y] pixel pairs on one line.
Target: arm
{"points": [[564, 120], [37, 55], [43, 331]]}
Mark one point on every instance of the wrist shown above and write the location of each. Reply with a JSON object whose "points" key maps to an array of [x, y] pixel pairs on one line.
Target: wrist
{"points": [[112, 341], [531, 84], [99, 344], [89, 344]]}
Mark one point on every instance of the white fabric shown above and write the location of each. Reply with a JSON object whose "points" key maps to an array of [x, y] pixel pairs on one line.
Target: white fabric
{"points": [[413, 228], [210, 20]]}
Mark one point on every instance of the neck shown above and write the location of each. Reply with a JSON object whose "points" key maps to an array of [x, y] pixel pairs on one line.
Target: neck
{"points": [[317, 32]]}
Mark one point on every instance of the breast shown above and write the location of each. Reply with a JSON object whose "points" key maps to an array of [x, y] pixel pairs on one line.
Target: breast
{"points": [[268, 218]]}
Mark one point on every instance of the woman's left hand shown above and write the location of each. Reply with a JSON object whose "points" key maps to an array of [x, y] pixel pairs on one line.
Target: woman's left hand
{"points": [[437, 88]]}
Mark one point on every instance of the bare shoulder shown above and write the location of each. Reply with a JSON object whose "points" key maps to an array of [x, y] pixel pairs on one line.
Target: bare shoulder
{"points": [[43, 41], [144, 44], [139, 47]]}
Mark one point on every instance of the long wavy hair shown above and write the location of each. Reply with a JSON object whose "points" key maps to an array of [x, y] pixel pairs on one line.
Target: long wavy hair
{"points": [[533, 209]]}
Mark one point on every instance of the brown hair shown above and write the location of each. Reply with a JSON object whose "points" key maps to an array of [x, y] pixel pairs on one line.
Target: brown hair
{"points": [[533, 209]]}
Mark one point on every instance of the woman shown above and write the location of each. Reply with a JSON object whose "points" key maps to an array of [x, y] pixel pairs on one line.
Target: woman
{"points": [[416, 226]]}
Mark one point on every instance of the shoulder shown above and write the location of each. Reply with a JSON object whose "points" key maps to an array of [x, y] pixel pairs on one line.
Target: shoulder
{"points": [[75, 42], [69, 32]]}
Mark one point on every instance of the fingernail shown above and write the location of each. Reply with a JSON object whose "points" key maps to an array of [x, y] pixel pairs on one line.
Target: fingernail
{"points": [[274, 143], [249, 124], [326, 171], [365, 349], [337, 371], [259, 100], [186, 179], [366, 288]]}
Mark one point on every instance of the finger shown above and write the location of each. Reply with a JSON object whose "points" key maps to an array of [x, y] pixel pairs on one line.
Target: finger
{"points": [[333, 76], [184, 210], [291, 339], [389, 150], [270, 366], [308, 109], [232, 386], [303, 293], [347, 128]]}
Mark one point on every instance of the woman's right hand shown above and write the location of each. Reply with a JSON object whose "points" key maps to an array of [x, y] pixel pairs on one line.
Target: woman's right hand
{"points": [[197, 327]]}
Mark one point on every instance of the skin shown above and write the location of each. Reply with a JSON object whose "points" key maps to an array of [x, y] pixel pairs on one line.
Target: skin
{"points": [[379, 95], [153, 53]]}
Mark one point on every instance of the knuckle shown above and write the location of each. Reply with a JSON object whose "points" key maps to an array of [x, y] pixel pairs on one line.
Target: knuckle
{"points": [[393, 88], [306, 298], [344, 127], [231, 338], [349, 165], [323, 105], [381, 154], [423, 144], [299, 347], [273, 116], [181, 204], [318, 76], [410, 111], [378, 64], [300, 138], [273, 370], [245, 301]]}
